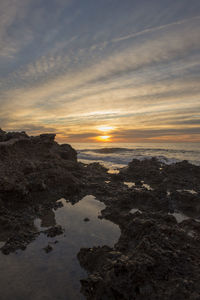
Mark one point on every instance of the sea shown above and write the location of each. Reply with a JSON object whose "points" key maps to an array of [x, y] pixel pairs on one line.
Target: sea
{"points": [[118, 155]]}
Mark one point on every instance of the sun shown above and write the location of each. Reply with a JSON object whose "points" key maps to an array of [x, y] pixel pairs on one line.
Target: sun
{"points": [[105, 130], [104, 138]]}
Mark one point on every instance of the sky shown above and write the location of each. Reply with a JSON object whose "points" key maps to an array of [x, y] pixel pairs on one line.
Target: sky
{"points": [[106, 70]]}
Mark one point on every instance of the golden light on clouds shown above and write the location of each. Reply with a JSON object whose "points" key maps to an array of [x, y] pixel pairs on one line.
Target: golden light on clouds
{"points": [[104, 138], [105, 128], [113, 85]]}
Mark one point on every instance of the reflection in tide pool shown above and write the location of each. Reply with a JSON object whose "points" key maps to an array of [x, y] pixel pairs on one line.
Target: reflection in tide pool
{"points": [[129, 184], [33, 274], [113, 171], [147, 186]]}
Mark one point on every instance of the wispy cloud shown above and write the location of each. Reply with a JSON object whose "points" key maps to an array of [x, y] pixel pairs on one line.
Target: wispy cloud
{"points": [[144, 80], [155, 29], [12, 11]]}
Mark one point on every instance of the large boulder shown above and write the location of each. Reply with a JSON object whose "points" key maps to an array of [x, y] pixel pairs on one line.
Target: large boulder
{"points": [[34, 164]]}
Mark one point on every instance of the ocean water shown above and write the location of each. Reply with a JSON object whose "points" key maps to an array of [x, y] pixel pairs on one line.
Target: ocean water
{"points": [[118, 155]]}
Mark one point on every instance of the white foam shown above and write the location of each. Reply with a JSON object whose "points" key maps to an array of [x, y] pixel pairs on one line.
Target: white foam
{"points": [[120, 155]]}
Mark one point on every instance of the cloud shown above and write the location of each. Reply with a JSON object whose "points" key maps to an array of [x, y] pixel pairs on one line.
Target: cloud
{"points": [[154, 29], [78, 136], [173, 134], [12, 11], [133, 135], [148, 79], [25, 23]]}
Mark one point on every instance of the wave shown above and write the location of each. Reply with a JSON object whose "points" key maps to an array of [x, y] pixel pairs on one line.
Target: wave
{"points": [[122, 156], [118, 150], [123, 161]]}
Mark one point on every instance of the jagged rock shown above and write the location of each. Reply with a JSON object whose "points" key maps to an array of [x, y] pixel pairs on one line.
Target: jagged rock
{"points": [[18, 241], [22, 165], [153, 259], [67, 152], [2, 135], [178, 175], [54, 231], [48, 137], [48, 248], [16, 135]]}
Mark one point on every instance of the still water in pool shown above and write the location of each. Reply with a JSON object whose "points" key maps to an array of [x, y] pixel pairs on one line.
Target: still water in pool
{"points": [[36, 275]]}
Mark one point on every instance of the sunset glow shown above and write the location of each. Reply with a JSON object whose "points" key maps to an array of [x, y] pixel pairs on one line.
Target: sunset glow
{"points": [[65, 67], [105, 128], [104, 138], [100, 149]]}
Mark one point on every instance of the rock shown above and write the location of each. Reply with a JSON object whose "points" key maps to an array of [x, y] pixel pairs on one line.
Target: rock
{"points": [[2, 135], [47, 138], [16, 135], [34, 173], [18, 241], [86, 220], [44, 162], [48, 248], [179, 175], [68, 153], [154, 258], [54, 231], [150, 261]]}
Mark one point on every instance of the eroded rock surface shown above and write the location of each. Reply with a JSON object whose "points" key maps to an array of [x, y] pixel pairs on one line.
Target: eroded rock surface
{"points": [[175, 176], [156, 257], [32, 164], [34, 173]]}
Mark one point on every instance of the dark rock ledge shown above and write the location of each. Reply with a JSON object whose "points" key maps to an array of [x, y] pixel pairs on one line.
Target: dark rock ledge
{"points": [[155, 258]]}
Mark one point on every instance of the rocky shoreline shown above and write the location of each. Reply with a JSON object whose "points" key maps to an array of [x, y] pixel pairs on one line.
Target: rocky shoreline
{"points": [[157, 255]]}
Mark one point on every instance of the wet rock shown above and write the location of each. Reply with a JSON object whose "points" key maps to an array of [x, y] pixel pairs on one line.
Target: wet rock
{"points": [[48, 138], [86, 220], [143, 170], [186, 202], [2, 135], [16, 135], [33, 164], [67, 152], [154, 259], [54, 231], [48, 248], [178, 175], [34, 173], [18, 241]]}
